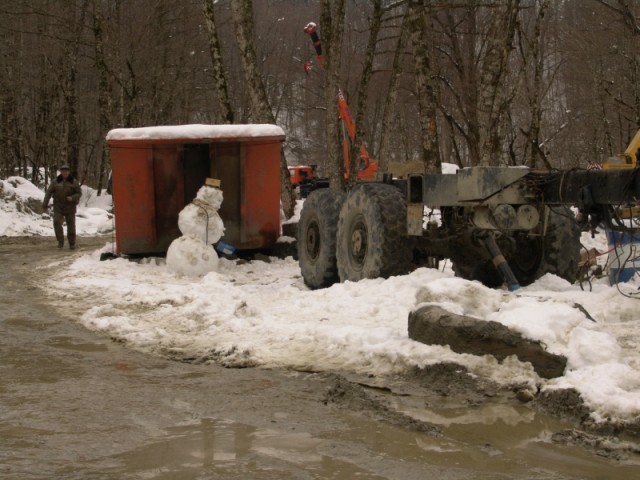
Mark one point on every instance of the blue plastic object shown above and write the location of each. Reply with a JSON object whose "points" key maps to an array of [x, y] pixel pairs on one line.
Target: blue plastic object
{"points": [[624, 255], [225, 248]]}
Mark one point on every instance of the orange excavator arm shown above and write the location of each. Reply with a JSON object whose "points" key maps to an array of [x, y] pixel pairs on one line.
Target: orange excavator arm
{"points": [[366, 168]]}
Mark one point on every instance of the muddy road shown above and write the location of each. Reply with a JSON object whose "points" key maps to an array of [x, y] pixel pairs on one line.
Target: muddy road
{"points": [[78, 405]]}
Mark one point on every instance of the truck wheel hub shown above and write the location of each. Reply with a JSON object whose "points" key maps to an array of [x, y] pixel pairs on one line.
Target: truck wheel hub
{"points": [[313, 240], [359, 242]]}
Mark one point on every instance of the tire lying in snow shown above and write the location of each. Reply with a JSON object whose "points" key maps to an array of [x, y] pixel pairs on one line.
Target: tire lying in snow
{"points": [[372, 240], [317, 237], [557, 252]]}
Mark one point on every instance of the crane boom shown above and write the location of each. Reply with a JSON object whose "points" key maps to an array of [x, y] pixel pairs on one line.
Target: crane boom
{"points": [[366, 168]]}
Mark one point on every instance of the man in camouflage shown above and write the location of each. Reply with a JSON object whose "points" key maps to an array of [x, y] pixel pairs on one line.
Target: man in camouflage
{"points": [[66, 193]]}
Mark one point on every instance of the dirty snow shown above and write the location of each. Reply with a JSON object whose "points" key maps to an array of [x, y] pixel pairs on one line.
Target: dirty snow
{"points": [[262, 314]]}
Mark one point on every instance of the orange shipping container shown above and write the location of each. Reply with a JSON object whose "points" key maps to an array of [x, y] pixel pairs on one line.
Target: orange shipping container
{"points": [[157, 171]]}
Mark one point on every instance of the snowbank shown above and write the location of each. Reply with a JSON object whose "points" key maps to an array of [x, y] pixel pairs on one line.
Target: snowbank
{"points": [[262, 314], [21, 210]]}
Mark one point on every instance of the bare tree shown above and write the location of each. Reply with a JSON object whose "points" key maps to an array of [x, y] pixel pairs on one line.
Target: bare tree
{"points": [[392, 93], [104, 93], [225, 114], [624, 9], [474, 55], [363, 86], [259, 108], [425, 89], [72, 156], [532, 54], [332, 26], [494, 96], [67, 76]]}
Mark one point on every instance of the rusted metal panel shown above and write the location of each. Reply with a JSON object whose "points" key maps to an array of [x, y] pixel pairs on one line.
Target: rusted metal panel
{"points": [[134, 202], [261, 195], [155, 176], [168, 194]]}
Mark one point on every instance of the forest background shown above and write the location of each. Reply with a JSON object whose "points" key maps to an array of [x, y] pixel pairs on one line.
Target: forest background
{"points": [[542, 83]]}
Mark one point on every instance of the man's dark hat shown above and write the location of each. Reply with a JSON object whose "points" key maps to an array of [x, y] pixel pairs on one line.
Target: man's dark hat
{"points": [[65, 167]]}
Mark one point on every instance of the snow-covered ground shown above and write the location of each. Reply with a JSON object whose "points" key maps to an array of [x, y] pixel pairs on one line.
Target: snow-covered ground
{"points": [[262, 314], [20, 202]]}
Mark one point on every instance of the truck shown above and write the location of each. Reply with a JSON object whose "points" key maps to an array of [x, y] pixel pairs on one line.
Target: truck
{"points": [[299, 174], [496, 224]]}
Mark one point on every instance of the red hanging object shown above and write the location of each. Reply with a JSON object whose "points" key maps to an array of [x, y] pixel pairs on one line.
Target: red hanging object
{"points": [[307, 67]]}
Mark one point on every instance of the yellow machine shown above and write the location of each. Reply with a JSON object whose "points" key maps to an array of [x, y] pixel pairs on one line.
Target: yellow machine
{"points": [[628, 159]]}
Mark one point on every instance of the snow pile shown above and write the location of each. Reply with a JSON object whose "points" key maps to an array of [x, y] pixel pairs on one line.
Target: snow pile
{"points": [[262, 314], [596, 331], [200, 224], [449, 168], [21, 210], [91, 199]]}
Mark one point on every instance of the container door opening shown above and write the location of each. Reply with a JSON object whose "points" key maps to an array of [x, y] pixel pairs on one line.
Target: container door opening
{"points": [[168, 193], [226, 165], [196, 169]]}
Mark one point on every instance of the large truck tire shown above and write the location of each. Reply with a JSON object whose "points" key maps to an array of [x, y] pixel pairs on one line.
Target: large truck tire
{"points": [[372, 238], [556, 252], [317, 237]]}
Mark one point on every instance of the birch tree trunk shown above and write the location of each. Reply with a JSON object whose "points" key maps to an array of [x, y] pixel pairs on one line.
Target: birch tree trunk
{"points": [[104, 95], [533, 59], [225, 115], [332, 26], [425, 90], [260, 111], [493, 96], [71, 100], [392, 95], [363, 87]]}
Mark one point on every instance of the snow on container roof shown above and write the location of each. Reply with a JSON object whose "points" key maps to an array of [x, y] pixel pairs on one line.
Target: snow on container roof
{"points": [[197, 132]]}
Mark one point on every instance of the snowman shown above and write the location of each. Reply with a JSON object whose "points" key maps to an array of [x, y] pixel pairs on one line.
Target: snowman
{"points": [[200, 224]]}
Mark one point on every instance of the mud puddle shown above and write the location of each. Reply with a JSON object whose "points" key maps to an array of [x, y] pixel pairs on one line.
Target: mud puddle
{"points": [[515, 440], [76, 405]]}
